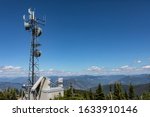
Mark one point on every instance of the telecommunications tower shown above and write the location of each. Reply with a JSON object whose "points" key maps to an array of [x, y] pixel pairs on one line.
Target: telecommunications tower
{"points": [[32, 24]]}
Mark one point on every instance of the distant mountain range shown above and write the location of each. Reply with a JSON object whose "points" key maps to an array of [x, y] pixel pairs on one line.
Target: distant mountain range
{"points": [[5, 85], [84, 82]]}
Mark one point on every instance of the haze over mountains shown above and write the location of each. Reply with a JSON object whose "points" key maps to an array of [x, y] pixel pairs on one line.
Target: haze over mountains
{"points": [[83, 82]]}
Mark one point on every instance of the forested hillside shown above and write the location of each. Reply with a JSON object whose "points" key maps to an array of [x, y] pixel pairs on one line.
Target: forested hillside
{"points": [[116, 92]]}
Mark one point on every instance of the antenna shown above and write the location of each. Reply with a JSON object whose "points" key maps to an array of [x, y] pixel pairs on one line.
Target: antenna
{"points": [[32, 24]]}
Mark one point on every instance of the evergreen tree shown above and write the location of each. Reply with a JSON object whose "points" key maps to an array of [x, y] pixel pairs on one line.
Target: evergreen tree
{"points": [[109, 96], [131, 92], [126, 95], [91, 95], [99, 95], [2, 96], [69, 92], [146, 96], [110, 87], [86, 95], [9, 94], [118, 95]]}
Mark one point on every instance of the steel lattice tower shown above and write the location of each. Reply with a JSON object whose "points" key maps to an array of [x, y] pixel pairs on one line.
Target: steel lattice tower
{"points": [[33, 25]]}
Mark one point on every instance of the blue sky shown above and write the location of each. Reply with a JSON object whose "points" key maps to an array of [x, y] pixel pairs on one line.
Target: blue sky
{"points": [[80, 36]]}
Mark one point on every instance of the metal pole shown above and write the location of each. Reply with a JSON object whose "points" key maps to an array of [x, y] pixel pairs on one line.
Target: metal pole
{"points": [[33, 43]]}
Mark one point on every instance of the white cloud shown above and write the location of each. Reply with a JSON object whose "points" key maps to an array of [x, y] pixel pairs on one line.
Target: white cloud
{"points": [[123, 69], [95, 69], [115, 70], [52, 72], [139, 61], [146, 67], [10, 68], [16, 71], [126, 68], [12, 71]]}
